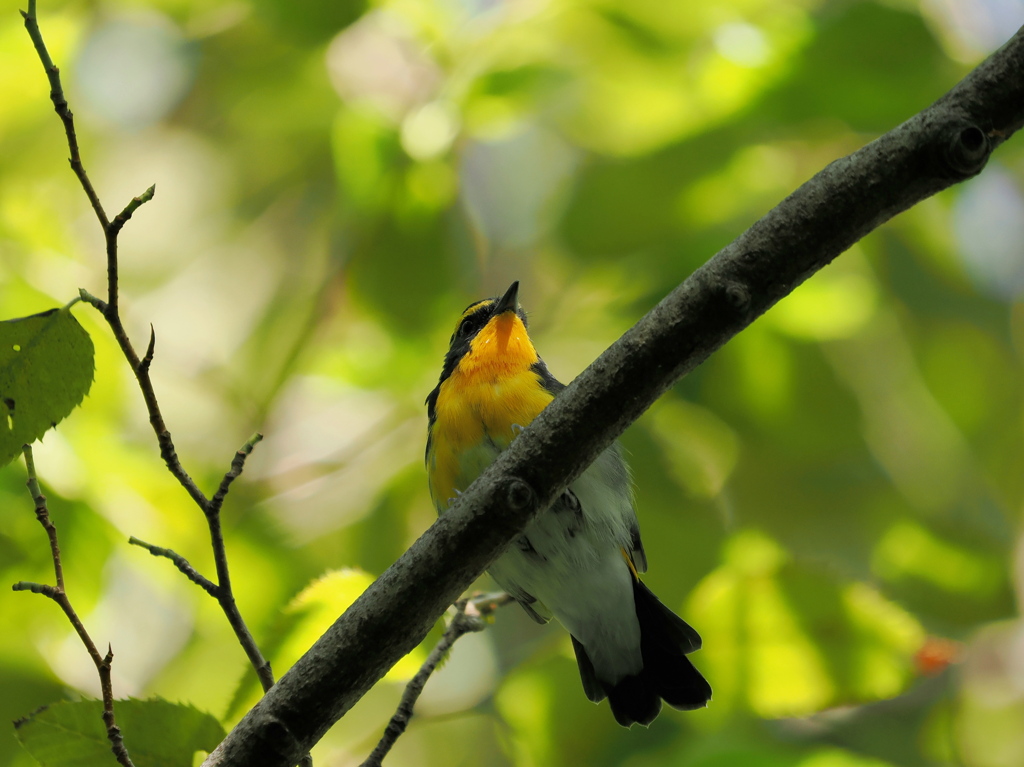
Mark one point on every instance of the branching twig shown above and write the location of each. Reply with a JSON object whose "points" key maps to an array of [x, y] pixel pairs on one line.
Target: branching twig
{"points": [[58, 595], [470, 615], [225, 594], [109, 308], [222, 591]]}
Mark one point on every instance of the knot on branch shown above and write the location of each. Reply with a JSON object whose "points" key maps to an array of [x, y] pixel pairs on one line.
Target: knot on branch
{"points": [[519, 495], [278, 738], [967, 150], [737, 295]]}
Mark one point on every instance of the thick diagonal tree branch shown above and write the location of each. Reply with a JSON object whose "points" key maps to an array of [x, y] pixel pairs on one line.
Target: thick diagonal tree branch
{"points": [[943, 145]]}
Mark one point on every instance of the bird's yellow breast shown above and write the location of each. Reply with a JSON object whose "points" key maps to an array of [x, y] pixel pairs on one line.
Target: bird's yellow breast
{"points": [[492, 391]]}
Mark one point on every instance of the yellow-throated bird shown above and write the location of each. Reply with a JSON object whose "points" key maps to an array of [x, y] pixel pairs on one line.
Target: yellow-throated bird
{"points": [[577, 561]]}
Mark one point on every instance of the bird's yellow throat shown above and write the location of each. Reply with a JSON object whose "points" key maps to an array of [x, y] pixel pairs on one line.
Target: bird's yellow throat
{"points": [[500, 350]]}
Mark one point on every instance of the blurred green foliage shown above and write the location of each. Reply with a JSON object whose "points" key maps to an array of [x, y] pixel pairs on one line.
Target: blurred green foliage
{"points": [[829, 499]]}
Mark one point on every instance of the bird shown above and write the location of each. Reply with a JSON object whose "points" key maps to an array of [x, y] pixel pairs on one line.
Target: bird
{"points": [[580, 560]]}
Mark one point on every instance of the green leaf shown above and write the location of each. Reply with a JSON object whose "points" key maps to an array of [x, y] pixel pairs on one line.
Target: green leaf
{"points": [[46, 368], [157, 733]]}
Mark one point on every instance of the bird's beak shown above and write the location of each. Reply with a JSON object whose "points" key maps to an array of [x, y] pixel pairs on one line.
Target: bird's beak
{"points": [[510, 301]]}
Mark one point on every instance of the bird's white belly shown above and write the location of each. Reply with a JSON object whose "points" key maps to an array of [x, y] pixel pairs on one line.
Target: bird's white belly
{"points": [[572, 562]]}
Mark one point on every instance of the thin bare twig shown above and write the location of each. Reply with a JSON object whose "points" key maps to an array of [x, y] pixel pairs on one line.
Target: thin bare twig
{"points": [[60, 104], [237, 464], [115, 226], [58, 595], [150, 350], [43, 515], [181, 563], [141, 368], [470, 615]]}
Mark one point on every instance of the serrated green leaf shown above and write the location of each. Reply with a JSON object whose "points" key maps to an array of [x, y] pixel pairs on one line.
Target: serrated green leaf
{"points": [[156, 732], [46, 369]]}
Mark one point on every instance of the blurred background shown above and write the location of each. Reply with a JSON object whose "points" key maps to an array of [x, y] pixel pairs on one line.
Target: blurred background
{"points": [[834, 499]]}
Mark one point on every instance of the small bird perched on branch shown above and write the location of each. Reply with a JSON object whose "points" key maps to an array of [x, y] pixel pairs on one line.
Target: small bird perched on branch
{"points": [[579, 560]]}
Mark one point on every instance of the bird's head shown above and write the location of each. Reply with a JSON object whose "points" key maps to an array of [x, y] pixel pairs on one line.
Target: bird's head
{"points": [[490, 339]]}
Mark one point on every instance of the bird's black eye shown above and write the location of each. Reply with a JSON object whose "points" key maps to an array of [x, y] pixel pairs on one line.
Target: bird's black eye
{"points": [[472, 324]]}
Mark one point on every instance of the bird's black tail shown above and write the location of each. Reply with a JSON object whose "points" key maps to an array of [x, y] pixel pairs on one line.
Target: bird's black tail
{"points": [[665, 640]]}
